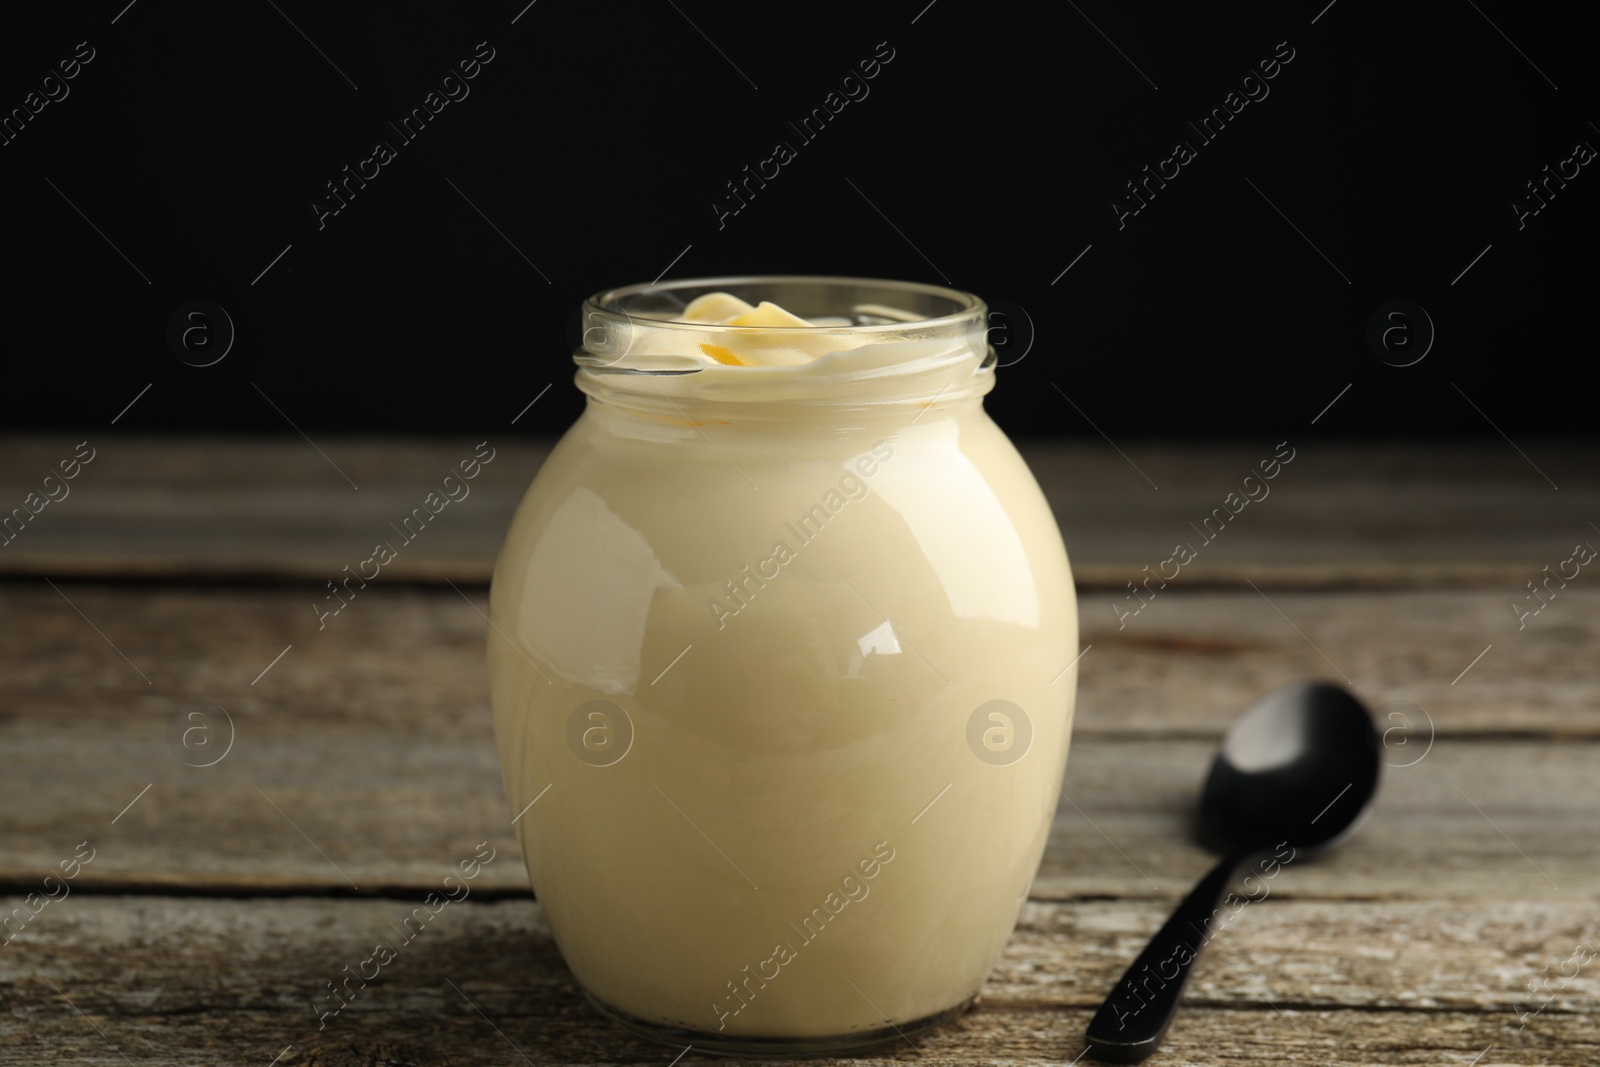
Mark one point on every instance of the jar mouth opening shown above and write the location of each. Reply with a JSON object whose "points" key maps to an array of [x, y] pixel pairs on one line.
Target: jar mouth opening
{"points": [[877, 342], [938, 310]]}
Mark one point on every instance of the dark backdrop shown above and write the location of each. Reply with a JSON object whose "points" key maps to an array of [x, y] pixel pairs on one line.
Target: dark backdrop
{"points": [[1383, 161]]}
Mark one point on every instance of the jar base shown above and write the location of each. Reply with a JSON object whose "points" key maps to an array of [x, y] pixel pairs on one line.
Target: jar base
{"points": [[775, 1047]]}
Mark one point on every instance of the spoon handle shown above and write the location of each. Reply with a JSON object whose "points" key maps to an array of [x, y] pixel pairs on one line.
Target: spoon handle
{"points": [[1134, 1017]]}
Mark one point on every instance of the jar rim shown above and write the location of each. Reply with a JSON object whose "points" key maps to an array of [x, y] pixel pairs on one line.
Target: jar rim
{"points": [[967, 306], [627, 350]]}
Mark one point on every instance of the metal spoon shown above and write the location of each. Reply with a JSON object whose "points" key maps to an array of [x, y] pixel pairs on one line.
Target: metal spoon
{"points": [[1295, 775]]}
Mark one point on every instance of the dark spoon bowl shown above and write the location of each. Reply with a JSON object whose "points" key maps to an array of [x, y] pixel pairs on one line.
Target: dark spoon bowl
{"points": [[1300, 765]]}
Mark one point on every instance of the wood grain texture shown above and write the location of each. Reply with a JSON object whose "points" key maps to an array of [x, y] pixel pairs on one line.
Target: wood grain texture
{"points": [[1185, 667], [373, 739], [1475, 820], [1339, 515], [190, 982]]}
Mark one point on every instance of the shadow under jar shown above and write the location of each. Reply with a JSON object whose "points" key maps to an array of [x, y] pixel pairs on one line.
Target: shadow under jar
{"points": [[778, 651]]}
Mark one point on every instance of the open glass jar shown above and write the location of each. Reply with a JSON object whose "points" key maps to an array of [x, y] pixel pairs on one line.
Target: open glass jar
{"points": [[779, 659]]}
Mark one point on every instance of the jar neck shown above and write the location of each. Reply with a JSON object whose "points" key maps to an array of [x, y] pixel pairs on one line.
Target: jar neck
{"points": [[660, 398], [641, 409]]}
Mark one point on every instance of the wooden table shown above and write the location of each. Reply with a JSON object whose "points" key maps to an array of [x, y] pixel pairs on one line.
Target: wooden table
{"points": [[178, 580]]}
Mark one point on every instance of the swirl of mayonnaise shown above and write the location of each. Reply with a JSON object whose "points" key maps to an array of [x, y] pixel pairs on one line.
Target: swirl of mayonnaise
{"points": [[722, 346]]}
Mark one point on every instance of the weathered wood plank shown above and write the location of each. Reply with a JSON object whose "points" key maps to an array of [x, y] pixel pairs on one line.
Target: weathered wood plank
{"points": [[1207, 1037], [259, 509], [374, 738], [1339, 515], [1184, 667], [1192, 661], [1126, 831], [182, 982]]}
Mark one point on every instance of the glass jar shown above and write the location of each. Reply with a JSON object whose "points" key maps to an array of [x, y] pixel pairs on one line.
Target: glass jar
{"points": [[780, 669]]}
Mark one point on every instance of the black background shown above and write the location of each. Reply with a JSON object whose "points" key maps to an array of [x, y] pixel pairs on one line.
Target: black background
{"points": [[985, 155]]}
